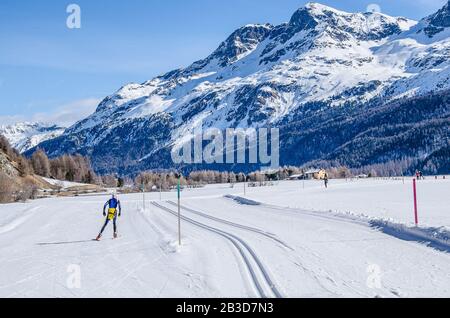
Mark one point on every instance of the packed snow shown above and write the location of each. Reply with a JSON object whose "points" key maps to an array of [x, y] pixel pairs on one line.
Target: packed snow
{"points": [[275, 241]]}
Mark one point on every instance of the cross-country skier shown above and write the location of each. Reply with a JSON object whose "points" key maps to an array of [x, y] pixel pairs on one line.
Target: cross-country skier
{"points": [[325, 180], [113, 205]]}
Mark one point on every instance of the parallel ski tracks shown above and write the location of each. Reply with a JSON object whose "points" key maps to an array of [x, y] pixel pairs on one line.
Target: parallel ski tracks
{"points": [[237, 225], [261, 279]]}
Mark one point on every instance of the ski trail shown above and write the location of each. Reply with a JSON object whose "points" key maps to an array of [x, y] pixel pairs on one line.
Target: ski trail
{"points": [[316, 274], [142, 221], [11, 225], [395, 230], [243, 249], [237, 225], [322, 273]]}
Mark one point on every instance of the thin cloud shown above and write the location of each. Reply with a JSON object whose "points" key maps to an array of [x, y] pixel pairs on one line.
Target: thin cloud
{"points": [[70, 113], [65, 116], [9, 120], [431, 4]]}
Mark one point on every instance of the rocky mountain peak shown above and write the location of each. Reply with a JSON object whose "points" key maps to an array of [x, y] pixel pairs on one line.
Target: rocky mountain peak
{"points": [[240, 42], [438, 21], [321, 63], [343, 25], [25, 135]]}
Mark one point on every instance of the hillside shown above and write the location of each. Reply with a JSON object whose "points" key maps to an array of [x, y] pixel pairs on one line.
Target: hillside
{"points": [[336, 83], [17, 182], [24, 135]]}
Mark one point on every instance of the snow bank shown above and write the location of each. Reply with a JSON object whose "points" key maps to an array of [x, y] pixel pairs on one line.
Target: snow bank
{"points": [[64, 184], [386, 199], [242, 200], [437, 237]]}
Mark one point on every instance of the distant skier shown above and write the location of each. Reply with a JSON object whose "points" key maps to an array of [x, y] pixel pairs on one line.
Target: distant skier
{"points": [[113, 205], [419, 175], [325, 180]]}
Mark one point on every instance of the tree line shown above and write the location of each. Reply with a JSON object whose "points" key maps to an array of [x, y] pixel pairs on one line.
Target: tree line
{"points": [[75, 168], [150, 181]]}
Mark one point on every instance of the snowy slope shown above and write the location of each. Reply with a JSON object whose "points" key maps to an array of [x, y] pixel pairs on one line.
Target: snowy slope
{"points": [[310, 57], [422, 52], [64, 184], [227, 248], [322, 61], [24, 136]]}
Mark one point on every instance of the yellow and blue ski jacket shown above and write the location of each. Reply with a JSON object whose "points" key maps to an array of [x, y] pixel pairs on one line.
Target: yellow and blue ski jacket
{"points": [[113, 205]]}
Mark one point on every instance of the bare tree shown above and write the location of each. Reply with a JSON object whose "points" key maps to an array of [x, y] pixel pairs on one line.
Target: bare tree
{"points": [[7, 188], [40, 163]]}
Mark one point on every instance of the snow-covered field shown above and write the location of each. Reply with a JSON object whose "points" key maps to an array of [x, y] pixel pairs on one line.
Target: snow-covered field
{"points": [[64, 184], [291, 240], [390, 199]]}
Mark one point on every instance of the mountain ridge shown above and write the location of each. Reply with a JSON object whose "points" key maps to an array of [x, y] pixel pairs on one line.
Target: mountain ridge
{"points": [[26, 135], [322, 60]]}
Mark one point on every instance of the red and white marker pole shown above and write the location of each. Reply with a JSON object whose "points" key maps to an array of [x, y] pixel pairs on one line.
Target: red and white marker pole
{"points": [[416, 217]]}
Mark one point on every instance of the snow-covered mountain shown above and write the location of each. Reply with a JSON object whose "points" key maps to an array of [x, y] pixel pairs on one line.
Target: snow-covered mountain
{"points": [[319, 66], [24, 136]]}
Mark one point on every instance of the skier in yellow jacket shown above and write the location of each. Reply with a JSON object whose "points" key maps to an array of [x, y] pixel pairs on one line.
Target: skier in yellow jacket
{"points": [[113, 205]]}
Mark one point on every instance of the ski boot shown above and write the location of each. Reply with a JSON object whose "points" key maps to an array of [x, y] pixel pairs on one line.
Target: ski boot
{"points": [[115, 235], [98, 237]]}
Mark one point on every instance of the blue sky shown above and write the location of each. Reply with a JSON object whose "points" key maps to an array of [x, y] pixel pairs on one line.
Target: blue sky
{"points": [[49, 72]]}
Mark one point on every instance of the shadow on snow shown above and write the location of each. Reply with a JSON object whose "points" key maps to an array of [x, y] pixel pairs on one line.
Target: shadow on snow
{"points": [[65, 243], [436, 238]]}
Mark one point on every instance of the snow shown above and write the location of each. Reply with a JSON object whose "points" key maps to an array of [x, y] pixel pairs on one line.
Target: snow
{"points": [[154, 104], [386, 199], [344, 60], [284, 234], [25, 135], [64, 184], [317, 72]]}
